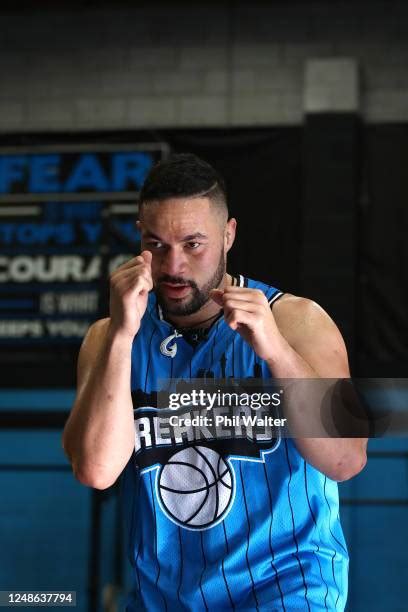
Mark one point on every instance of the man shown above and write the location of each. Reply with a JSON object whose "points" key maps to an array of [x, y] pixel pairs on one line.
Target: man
{"points": [[219, 517]]}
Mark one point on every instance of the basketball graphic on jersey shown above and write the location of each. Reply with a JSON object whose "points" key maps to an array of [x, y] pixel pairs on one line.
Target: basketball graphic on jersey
{"points": [[195, 487]]}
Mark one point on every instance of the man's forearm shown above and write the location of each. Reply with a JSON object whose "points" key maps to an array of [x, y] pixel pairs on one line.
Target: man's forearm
{"points": [[99, 434]]}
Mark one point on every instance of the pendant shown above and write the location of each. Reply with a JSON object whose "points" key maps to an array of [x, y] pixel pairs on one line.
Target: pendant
{"points": [[165, 349]]}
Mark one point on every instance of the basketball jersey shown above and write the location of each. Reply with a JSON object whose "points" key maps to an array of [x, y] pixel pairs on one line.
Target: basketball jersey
{"points": [[220, 518]]}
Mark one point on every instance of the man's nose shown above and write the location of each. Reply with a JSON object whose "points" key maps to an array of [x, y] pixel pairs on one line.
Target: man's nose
{"points": [[174, 262]]}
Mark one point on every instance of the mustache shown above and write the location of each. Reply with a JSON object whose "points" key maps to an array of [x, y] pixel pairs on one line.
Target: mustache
{"points": [[177, 280]]}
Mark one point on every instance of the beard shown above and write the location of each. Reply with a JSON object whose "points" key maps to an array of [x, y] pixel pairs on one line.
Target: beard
{"points": [[199, 296]]}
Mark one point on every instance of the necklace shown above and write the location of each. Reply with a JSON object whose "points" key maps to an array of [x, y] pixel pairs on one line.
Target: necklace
{"points": [[193, 335], [193, 327]]}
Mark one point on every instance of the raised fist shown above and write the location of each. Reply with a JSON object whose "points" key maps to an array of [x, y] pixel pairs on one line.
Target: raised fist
{"points": [[129, 288]]}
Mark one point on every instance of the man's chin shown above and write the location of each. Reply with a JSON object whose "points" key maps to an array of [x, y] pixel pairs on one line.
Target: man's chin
{"points": [[176, 306]]}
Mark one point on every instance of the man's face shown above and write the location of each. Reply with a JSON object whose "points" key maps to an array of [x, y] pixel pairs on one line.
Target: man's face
{"points": [[186, 239]]}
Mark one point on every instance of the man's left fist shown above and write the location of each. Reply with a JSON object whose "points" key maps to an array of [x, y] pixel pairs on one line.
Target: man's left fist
{"points": [[247, 311]]}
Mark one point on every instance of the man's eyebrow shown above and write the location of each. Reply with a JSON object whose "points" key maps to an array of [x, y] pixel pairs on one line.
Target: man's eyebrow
{"points": [[151, 235], [185, 239], [193, 236]]}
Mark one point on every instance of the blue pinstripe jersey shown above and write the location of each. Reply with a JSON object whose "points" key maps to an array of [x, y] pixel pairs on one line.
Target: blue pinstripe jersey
{"points": [[240, 523]]}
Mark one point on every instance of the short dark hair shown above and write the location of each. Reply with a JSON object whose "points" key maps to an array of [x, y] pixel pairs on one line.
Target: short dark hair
{"points": [[184, 175]]}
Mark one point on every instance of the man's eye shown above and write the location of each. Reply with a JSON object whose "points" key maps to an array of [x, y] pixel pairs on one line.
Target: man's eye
{"points": [[155, 245], [193, 245]]}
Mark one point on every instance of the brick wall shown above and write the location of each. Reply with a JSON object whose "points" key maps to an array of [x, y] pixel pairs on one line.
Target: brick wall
{"points": [[219, 64]]}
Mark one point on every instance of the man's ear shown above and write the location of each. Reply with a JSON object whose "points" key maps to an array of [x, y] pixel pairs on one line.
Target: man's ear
{"points": [[229, 234]]}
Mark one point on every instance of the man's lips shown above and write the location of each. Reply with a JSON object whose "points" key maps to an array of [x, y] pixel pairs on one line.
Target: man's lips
{"points": [[174, 290]]}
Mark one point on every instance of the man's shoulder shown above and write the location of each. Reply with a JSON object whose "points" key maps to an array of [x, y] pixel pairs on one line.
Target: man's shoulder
{"points": [[97, 331], [296, 315], [99, 326], [313, 334], [295, 305]]}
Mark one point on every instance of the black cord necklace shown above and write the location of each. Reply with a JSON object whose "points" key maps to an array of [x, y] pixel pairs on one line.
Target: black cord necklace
{"points": [[217, 314], [196, 334]]}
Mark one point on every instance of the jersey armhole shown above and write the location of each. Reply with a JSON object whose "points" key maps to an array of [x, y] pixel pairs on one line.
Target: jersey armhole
{"points": [[275, 297]]}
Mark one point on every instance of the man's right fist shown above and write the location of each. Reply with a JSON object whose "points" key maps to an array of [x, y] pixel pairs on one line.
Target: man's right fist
{"points": [[129, 288]]}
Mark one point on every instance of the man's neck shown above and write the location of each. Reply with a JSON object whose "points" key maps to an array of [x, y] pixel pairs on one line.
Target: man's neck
{"points": [[203, 317]]}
